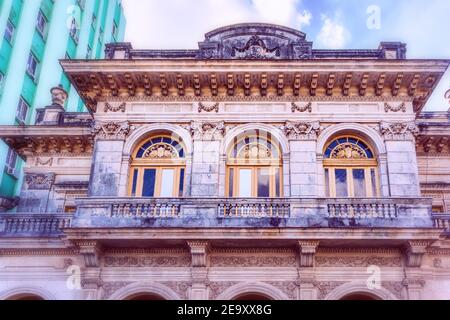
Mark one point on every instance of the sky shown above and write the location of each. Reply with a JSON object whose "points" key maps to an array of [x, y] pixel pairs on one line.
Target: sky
{"points": [[424, 25]]}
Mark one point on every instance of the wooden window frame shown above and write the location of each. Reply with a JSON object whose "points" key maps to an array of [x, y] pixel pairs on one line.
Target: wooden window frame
{"points": [[159, 165], [254, 183]]}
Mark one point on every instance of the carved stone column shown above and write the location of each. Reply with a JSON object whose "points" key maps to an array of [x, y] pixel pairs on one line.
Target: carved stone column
{"points": [[302, 141], [205, 163], [401, 158], [91, 275], [306, 272], [35, 193], [414, 288], [107, 158], [199, 270]]}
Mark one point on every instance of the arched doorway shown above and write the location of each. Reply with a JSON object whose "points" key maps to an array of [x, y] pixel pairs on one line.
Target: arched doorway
{"points": [[252, 296], [359, 297], [145, 297], [26, 297]]}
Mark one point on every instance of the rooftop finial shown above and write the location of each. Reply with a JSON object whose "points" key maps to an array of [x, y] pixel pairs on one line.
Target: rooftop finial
{"points": [[59, 96]]}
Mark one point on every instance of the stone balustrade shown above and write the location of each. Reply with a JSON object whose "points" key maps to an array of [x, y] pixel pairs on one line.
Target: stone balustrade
{"points": [[262, 208], [34, 225], [155, 208], [261, 213], [363, 210]]}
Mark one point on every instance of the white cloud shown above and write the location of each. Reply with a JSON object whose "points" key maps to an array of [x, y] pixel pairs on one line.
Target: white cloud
{"points": [[280, 11], [304, 19], [180, 24], [333, 34]]}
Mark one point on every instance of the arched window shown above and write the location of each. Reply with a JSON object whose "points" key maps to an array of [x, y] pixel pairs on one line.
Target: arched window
{"points": [[254, 167], [350, 169], [158, 168]]}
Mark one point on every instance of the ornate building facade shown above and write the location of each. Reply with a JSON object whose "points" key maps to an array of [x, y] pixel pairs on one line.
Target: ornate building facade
{"points": [[255, 167]]}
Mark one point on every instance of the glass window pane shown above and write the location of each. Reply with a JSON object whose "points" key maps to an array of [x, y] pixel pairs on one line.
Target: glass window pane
{"points": [[277, 183], [374, 183], [341, 182], [148, 188], [167, 181], [231, 182], [245, 183], [135, 178], [327, 183], [264, 183], [359, 183], [181, 189]]}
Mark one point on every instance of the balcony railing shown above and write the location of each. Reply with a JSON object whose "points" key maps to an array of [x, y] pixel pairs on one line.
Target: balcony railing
{"points": [[251, 212], [146, 209], [363, 210], [34, 224], [254, 208]]}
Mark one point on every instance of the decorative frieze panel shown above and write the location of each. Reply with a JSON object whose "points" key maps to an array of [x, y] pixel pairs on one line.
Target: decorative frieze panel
{"points": [[399, 130], [147, 261], [40, 181], [357, 261], [248, 260], [112, 130], [302, 130]]}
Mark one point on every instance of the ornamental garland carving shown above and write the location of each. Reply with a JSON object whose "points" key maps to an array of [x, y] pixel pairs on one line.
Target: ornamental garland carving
{"points": [[111, 130], [216, 288], [302, 130], [298, 108], [207, 129], [40, 181], [158, 261], [253, 261], [322, 261], [399, 130], [208, 108], [288, 287], [324, 288], [255, 48], [110, 287], [400, 107], [180, 287], [115, 108]]}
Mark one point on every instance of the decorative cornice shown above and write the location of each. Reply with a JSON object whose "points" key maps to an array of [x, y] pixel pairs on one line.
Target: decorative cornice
{"points": [[244, 98]]}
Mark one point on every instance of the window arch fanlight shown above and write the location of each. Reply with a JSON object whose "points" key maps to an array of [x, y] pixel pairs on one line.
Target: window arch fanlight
{"points": [[254, 166], [158, 168], [351, 169]]}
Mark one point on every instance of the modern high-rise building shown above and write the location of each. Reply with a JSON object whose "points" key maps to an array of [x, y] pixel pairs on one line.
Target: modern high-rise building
{"points": [[36, 35]]}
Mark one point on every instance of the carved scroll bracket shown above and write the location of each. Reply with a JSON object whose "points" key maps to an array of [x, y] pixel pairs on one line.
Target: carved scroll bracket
{"points": [[307, 251]]}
